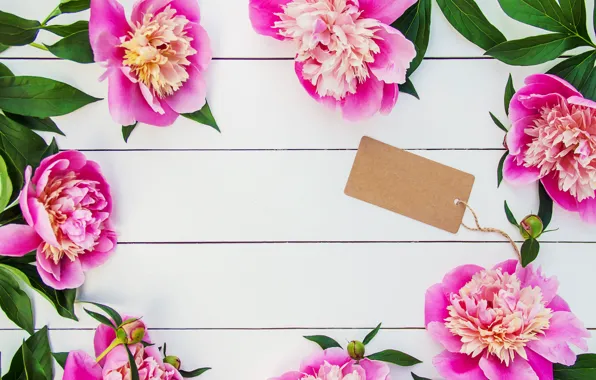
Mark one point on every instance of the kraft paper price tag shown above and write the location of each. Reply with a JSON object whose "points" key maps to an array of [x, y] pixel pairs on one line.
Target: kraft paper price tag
{"points": [[409, 185]]}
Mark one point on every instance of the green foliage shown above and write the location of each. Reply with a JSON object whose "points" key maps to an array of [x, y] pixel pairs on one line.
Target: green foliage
{"points": [[583, 369], [323, 341], [534, 50], [529, 251], [395, 357], [203, 116], [127, 130], [17, 31], [15, 302], [371, 335], [415, 26], [33, 357], [75, 47]]}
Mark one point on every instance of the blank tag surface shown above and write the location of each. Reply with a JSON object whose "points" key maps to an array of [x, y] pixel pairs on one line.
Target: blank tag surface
{"points": [[409, 185]]}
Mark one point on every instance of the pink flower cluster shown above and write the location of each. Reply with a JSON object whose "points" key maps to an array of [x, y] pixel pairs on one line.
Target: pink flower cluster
{"points": [[553, 139], [504, 323], [347, 54], [336, 364], [116, 365], [155, 62], [67, 206]]}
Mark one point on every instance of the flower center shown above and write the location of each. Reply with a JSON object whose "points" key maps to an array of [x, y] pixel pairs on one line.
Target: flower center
{"points": [[564, 141], [157, 49], [492, 313], [334, 43], [332, 372]]}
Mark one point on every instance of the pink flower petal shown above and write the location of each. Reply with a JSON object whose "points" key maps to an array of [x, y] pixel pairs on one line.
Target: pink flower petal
{"points": [[104, 336], [41, 222], [107, 16], [24, 196], [333, 356], [101, 253], [517, 138], [365, 102], [396, 53], [455, 366], [581, 101], [542, 367], [529, 277], [458, 277], [294, 375], [64, 275], [191, 96], [587, 210], [528, 101], [117, 358], [202, 44], [327, 101], [519, 174], [390, 95], [555, 84], [386, 11], [518, 369], [562, 198], [375, 370], [18, 239], [564, 329], [441, 334], [558, 304], [507, 266], [262, 14], [435, 305], [352, 367], [141, 7], [80, 366]]}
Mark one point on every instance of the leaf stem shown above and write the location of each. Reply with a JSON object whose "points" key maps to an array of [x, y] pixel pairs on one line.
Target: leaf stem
{"points": [[114, 344], [38, 46]]}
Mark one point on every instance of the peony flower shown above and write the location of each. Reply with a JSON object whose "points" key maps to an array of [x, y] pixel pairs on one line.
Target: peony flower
{"points": [[155, 62], [67, 206], [553, 139], [502, 323], [336, 364], [347, 54]]}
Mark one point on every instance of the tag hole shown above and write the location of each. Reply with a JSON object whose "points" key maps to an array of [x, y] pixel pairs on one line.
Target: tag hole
{"points": [[456, 202]]}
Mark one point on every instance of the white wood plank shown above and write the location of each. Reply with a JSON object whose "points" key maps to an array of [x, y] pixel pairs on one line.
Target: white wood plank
{"points": [[299, 285], [261, 105], [254, 355], [232, 35]]}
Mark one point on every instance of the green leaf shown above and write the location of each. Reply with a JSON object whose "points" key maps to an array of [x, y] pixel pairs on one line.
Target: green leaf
{"points": [[22, 145], [60, 358], [63, 300], [416, 377], [529, 251], [35, 123], [371, 335], [100, 318], [544, 14], [195, 373], [52, 149], [498, 122], [134, 371], [408, 88], [17, 31], [5, 185], [467, 18], [3, 47], [588, 89], [545, 211], [575, 13], [127, 130], [509, 92], [75, 47], [15, 302], [109, 311], [576, 70], [39, 346], [415, 25], [12, 214], [15, 175], [68, 6], [534, 50], [510, 216], [500, 169], [323, 341], [40, 97], [203, 116], [583, 369], [67, 30], [5, 71], [31, 366], [395, 357]]}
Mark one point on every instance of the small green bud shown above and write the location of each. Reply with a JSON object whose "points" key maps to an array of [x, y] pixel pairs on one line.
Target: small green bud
{"points": [[174, 361], [356, 350], [531, 227]]}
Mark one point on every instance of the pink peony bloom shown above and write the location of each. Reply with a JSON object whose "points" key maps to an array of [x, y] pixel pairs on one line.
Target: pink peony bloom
{"points": [[504, 323], [67, 206], [155, 62], [553, 139], [347, 54], [336, 364]]}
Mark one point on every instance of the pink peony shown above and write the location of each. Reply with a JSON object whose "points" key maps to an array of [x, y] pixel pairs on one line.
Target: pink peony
{"points": [[155, 62], [347, 54], [336, 364], [553, 139], [504, 323], [67, 206]]}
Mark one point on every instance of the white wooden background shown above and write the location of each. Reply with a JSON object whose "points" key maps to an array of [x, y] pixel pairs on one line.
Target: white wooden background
{"points": [[234, 246]]}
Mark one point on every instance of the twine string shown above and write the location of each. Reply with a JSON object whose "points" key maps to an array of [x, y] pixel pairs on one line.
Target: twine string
{"points": [[487, 229]]}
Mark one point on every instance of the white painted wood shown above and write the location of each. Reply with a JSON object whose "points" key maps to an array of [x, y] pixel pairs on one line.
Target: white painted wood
{"points": [[261, 105], [232, 36], [299, 285], [257, 355]]}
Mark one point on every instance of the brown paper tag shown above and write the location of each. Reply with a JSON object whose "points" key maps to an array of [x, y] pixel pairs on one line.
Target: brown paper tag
{"points": [[410, 185]]}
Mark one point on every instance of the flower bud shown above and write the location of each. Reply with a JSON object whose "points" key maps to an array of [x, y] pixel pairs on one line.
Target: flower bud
{"points": [[531, 227], [131, 332], [356, 350], [174, 361]]}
